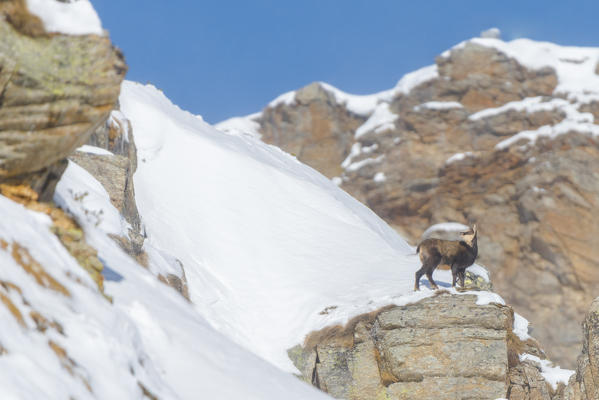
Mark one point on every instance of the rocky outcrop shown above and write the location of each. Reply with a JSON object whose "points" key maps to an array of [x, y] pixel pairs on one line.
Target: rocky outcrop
{"points": [[114, 169], [55, 90], [112, 161], [443, 347], [451, 150], [584, 384], [306, 129]]}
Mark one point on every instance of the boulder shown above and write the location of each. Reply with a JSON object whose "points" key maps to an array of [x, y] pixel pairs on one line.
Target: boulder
{"points": [[55, 90], [443, 347]]}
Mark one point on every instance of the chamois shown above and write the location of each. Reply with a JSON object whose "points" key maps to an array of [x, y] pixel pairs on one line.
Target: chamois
{"points": [[456, 254]]}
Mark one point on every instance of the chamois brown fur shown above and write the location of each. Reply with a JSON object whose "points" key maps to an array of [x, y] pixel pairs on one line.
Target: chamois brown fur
{"points": [[455, 254]]}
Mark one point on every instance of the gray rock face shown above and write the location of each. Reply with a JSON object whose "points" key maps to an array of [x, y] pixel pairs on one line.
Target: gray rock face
{"points": [[443, 347]]}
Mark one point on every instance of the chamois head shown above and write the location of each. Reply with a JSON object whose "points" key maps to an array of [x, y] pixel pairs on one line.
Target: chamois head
{"points": [[469, 236]]}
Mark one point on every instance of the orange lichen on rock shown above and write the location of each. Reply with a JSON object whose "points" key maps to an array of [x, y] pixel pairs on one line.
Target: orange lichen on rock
{"points": [[22, 194], [12, 308], [67, 362], [32, 267]]}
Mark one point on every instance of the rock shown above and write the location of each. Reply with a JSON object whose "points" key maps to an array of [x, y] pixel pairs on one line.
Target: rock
{"points": [[55, 90], [43, 181], [114, 173], [584, 384], [317, 129], [526, 382], [443, 347]]}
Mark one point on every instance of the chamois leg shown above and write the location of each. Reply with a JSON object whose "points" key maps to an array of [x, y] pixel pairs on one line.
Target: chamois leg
{"points": [[454, 275], [462, 276], [429, 275], [419, 274]]}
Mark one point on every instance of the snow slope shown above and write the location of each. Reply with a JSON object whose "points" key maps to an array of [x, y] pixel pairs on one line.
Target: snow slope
{"points": [[267, 242], [150, 329]]}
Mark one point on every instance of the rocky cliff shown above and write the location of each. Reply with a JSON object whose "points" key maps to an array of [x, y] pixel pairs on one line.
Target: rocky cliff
{"points": [[449, 346], [501, 133]]}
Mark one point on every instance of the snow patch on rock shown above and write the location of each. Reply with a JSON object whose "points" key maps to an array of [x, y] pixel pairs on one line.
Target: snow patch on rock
{"points": [[71, 18]]}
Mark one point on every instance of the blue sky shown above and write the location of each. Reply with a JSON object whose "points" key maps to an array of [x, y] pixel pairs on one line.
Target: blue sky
{"points": [[224, 58]]}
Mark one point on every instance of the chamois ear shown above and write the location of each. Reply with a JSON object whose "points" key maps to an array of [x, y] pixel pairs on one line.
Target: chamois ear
{"points": [[474, 228]]}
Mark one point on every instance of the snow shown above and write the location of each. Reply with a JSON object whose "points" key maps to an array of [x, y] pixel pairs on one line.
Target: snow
{"points": [[262, 236], [445, 226], [247, 125], [485, 298], [438, 105], [529, 105], [356, 165], [149, 333], [86, 148], [357, 150], [521, 327], [379, 177], [89, 201], [574, 120], [95, 335], [382, 119], [287, 99], [357, 104], [71, 18], [493, 33], [551, 132], [553, 375], [411, 80], [459, 157]]}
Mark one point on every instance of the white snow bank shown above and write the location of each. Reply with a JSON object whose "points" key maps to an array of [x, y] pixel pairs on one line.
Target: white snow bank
{"points": [[266, 241], [241, 125], [382, 119], [86, 148], [574, 120], [91, 202], [411, 80], [287, 99], [521, 327], [438, 105], [357, 150], [580, 125], [529, 105], [150, 334], [553, 375], [379, 177], [357, 104], [71, 18], [459, 157]]}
